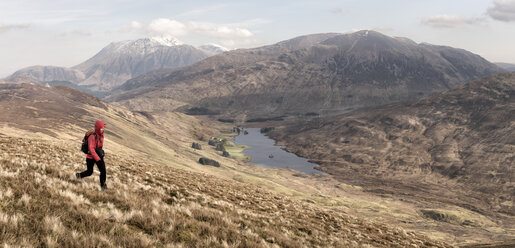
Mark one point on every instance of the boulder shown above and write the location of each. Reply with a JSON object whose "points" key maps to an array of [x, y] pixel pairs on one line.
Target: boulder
{"points": [[207, 161], [220, 147], [196, 146]]}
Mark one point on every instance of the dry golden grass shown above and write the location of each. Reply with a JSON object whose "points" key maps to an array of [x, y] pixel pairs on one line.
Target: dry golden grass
{"points": [[159, 195], [150, 204]]}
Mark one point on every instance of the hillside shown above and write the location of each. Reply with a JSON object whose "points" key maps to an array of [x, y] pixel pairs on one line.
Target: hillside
{"points": [[451, 149], [319, 73], [158, 194], [48, 73]]}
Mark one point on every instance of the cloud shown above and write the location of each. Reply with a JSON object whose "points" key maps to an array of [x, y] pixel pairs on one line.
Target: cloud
{"points": [[239, 43], [133, 26], [451, 21], [503, 10], [8, 27], [167, 27], [163, 26]]}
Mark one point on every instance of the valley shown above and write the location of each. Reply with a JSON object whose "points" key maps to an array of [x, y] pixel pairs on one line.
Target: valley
{"points": [[158, 192], [400, 144]]}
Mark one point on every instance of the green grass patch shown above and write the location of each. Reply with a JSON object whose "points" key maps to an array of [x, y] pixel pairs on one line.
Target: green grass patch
{"points": [[236, 151]]}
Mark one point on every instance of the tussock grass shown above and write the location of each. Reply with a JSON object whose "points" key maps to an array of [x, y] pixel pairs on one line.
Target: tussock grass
{"points": [[153, 205]]}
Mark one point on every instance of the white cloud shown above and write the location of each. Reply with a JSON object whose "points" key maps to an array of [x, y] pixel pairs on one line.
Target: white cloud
{"points": [[8, 27], [163, 26], [503, 10], [241, 43], [452, 21], [133, 26], [170, 27]]}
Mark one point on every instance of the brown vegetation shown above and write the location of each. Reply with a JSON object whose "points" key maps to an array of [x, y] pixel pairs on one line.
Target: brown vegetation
{"points": [[150, 205], [158, 194], [452, 150]]}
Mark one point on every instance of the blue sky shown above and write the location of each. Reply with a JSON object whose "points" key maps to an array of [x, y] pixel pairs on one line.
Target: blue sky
{"points": [[65, 33]]}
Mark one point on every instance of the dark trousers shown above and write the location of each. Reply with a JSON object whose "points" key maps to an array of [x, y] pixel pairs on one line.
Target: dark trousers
{"points": [[101, 167]]}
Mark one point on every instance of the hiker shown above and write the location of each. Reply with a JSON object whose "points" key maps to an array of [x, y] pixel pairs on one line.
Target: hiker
{"points": [[95, 154]]}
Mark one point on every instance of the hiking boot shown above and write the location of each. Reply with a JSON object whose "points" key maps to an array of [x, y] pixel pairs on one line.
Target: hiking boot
{"points": [[77, 175], [103, 187]]}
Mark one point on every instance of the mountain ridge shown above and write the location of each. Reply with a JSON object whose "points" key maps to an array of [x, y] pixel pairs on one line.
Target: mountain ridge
{"points": [[308, 73], [119, 62]]}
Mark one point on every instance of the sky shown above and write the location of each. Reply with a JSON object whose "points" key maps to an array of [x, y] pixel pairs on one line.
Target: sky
{"points": [[68, 32]]}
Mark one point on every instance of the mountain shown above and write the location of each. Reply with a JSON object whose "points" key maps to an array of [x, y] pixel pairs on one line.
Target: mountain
{"points": [[119, 62], [48, 73], [327, 72], [506, 66], [451, 150], [227, 60], [214, 48], [158, 195]]}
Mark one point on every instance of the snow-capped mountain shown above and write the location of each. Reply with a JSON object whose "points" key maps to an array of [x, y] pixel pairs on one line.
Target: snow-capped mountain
{"points": [[144, 45], [214, 48], [119, 62]]}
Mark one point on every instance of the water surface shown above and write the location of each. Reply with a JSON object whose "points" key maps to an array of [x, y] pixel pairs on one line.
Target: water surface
{"points": [[261, 147]]}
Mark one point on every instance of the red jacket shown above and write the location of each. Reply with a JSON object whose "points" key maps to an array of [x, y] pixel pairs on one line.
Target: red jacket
{"points": [[99, 141]]}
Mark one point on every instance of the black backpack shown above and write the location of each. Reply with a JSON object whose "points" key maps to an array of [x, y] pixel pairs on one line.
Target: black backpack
{"points": [[85, 148]]}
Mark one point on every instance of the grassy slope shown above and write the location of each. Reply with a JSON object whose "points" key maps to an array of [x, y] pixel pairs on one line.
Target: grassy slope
{"points": [[159, 195], [149, 204]]}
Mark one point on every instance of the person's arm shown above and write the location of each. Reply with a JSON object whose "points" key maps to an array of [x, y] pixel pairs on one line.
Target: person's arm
{"points": [[92, 145]]}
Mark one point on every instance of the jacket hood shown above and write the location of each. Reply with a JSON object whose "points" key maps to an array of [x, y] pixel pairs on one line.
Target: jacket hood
{"points": [[98, 125]]}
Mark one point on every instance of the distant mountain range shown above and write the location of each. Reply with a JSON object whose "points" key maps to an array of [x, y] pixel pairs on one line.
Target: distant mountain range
{"points": [[506, 66], [312, 73], [214, 48], [121, 61]]}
